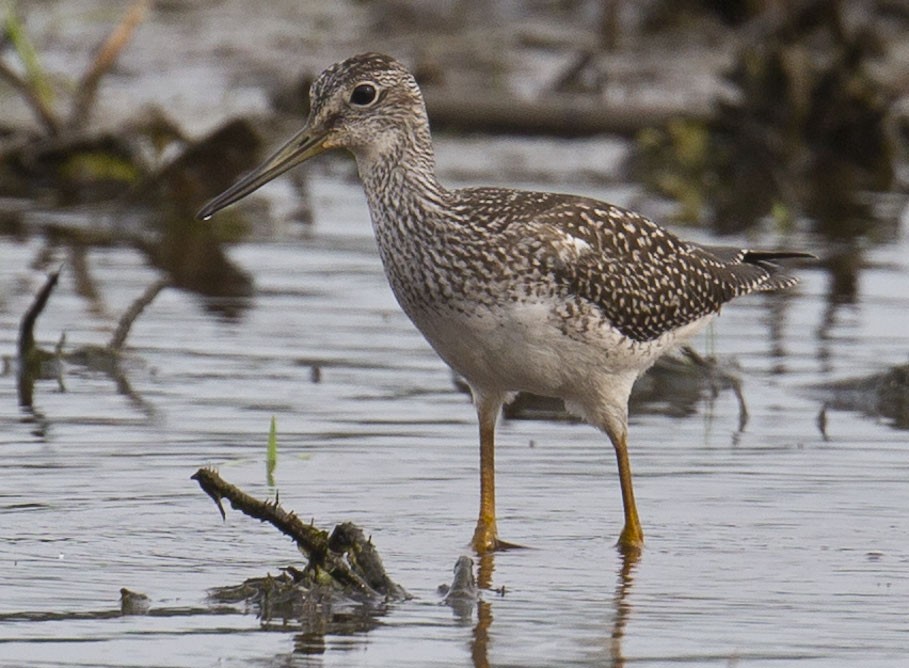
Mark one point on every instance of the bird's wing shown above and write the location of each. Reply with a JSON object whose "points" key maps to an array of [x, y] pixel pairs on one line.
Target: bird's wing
{"points": [[642, 278]]}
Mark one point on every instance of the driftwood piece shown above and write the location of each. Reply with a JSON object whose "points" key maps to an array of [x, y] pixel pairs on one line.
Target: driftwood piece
{"points": [[360, 576], [557, 115]]}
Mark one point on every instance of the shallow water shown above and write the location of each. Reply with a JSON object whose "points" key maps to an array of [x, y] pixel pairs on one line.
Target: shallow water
{"points": [[773, 545], [770, 544]]}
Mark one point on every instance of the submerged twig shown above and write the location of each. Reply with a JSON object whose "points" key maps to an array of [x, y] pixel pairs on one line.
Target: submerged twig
{"points": [[348, 538], [134, 311], [716, 374], [313, 542], [133, 602], [463, 594], [36, 363], [30, 356], [26, 345]]}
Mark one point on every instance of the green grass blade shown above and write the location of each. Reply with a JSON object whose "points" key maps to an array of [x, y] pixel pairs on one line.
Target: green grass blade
{"points": [[35, 75], [271, 453]]}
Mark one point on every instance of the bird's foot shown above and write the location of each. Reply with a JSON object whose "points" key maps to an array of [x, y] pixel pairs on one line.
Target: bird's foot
{"points": [[631, 540], [486, 540]]}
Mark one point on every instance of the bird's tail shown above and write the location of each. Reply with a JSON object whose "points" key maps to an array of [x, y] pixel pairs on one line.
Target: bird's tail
{"points": [[766, 260], [751, 270]]}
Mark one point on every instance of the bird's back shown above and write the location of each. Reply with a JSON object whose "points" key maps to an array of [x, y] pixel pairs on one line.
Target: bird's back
{"points": [[642, 278]]}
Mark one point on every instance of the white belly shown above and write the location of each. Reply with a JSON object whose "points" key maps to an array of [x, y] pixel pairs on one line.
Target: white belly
{"points": [[525, 347]]}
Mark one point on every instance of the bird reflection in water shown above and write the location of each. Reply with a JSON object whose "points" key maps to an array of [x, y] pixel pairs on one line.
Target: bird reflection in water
{"points": [[463, 606]]}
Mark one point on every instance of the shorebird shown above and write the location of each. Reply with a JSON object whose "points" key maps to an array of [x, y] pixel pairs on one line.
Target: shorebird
{"points": [[555, 294]]}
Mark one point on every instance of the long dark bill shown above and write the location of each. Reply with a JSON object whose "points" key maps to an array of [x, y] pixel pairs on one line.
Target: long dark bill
{"points": [[303, 146]]}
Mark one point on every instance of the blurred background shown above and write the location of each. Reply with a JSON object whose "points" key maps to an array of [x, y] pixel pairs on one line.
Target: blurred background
{"points": [[732, 116]]}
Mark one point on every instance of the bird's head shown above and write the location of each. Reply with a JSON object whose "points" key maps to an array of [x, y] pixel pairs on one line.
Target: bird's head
{"points": [[366, 104]]}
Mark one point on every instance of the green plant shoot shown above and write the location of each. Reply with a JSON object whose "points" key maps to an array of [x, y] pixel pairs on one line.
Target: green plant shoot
{"points": [[34, 73], [271, 453]]}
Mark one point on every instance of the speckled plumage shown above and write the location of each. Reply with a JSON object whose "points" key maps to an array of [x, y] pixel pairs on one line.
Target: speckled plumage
{"points": [[452, 249], [550, 293]]}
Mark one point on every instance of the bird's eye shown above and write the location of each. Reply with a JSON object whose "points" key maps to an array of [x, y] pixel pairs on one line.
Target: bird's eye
{"points": [[363, 95]]}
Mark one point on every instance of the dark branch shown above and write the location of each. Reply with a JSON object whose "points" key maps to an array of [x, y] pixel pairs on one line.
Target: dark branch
{"points": [[312, 541]]}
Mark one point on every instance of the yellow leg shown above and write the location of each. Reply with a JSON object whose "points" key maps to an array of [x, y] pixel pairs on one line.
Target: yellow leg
{"points": [[632, 537], [485, 538]]}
